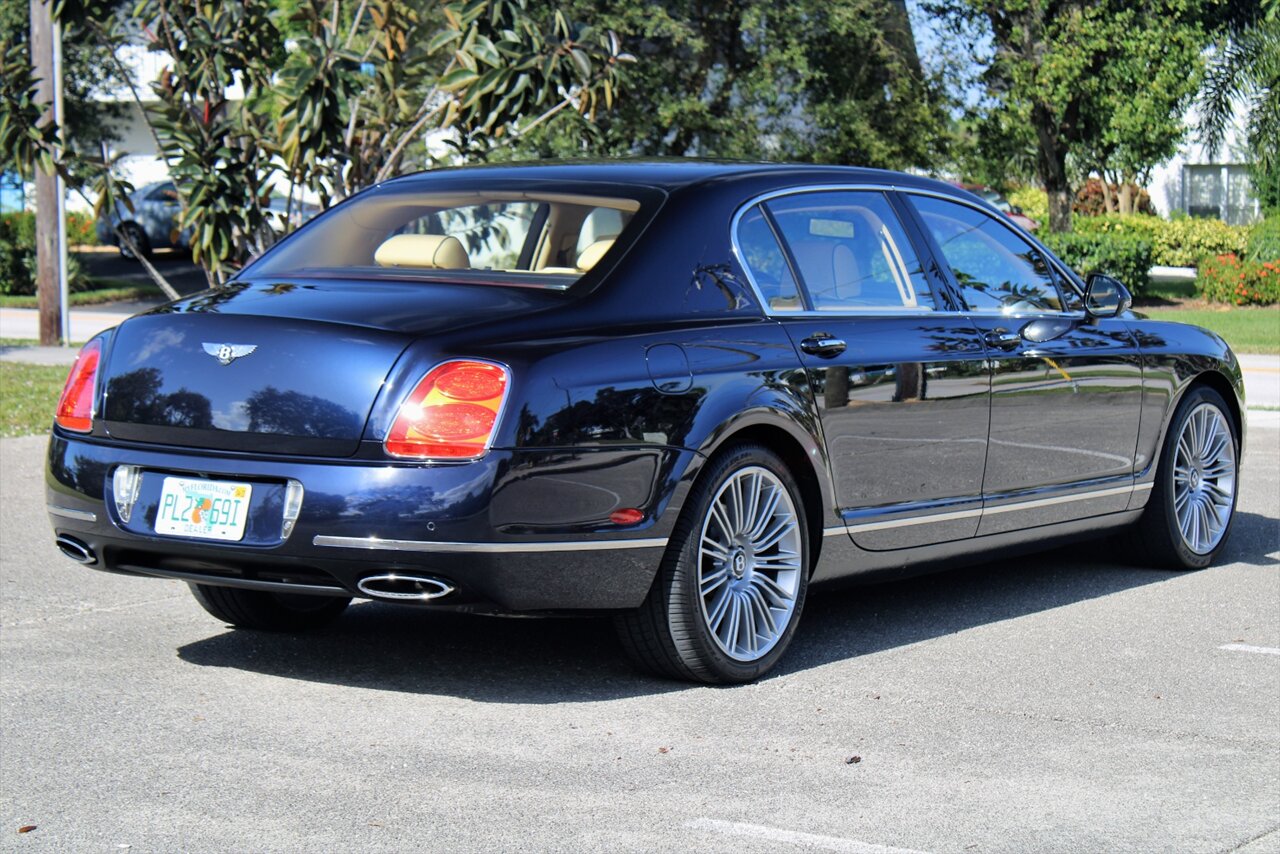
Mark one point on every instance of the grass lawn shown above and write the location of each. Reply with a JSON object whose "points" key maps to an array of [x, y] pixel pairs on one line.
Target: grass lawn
{"points": [[103, 291], [28, 394], [1246, 329]]}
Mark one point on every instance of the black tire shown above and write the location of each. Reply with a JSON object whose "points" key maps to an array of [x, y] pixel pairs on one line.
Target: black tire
{"points": [[670, 634], [140, 239], [1156, 539], [270, 612]]}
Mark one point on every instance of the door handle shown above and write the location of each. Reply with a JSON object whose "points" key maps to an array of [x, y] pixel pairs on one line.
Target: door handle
{"points": [[822, 344], [1002, 339]]}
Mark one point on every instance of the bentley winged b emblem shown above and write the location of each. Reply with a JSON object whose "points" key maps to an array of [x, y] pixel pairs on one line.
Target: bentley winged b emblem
{"points": [[228, 353]]}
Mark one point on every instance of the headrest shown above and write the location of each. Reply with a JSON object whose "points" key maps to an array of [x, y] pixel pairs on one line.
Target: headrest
{"points": [[591, 256], [432, 251]]}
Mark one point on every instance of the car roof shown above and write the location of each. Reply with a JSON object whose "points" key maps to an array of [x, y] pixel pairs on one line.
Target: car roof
{"points": [[677, 173]]}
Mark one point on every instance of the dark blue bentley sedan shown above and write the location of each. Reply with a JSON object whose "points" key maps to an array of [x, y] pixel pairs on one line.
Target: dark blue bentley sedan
{"points": [[675, 392]]}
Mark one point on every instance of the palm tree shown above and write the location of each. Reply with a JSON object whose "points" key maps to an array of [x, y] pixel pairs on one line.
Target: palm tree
{"points": [[1245, 68]]}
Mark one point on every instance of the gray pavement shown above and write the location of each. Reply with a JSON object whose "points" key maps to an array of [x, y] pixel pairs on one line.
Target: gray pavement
{"points": [[1059, 702]]}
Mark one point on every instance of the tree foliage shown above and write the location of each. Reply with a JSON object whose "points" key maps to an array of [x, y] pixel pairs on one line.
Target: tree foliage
{"points": [[835, 82], [1085, 84], [1245, 68]]}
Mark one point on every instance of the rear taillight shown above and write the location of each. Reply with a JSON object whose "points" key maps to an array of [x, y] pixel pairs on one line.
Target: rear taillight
{"points": [[452, 412], [75, 407]]}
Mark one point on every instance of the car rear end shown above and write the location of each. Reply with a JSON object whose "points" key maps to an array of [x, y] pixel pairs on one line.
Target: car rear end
{"points": [[334, 427]]}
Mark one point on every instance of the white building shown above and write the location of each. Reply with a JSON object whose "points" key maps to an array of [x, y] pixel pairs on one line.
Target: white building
{"points": [[1198, 184]]}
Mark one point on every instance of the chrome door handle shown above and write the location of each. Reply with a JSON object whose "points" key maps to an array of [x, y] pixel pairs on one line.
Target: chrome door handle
{"points": [[1002, 339], [822, 344]]}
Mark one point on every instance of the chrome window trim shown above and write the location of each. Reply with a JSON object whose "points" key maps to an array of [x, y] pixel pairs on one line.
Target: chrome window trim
{"points": [[69, 513], [1003, 220], [740, 256], [379, 544]]}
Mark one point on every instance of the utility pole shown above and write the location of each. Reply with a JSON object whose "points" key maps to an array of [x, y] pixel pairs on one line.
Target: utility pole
{"points": [[48, 250]]}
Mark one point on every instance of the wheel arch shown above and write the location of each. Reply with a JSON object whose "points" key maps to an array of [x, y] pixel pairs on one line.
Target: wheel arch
{"points": [[799, 449]]}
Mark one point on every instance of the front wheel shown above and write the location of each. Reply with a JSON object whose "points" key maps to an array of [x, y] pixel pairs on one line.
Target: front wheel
{"points": [[1192, 505], [732, 584], [272, 612]]}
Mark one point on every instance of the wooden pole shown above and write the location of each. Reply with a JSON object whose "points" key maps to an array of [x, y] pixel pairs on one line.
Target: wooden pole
{"points": [[47, 207]]}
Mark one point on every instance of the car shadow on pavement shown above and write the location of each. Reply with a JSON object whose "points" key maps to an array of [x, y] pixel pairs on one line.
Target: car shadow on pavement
{"points": [[569, 660]]}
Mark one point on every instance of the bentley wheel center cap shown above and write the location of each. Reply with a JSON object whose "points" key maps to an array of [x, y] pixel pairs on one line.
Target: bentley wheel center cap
{"points": [[738, 564]]}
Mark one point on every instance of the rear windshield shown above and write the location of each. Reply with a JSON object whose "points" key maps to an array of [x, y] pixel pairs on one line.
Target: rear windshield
{"points": [[531, 238]]}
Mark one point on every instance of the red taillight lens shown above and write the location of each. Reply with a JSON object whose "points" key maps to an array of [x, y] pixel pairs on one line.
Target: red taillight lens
{"points": [[451, 413], [75, 407]]}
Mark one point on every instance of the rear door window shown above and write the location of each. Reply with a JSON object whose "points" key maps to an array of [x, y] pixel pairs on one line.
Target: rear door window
{"points": [[851, 252]]}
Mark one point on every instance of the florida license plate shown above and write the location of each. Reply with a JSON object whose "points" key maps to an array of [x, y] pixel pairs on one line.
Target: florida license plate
{"points": [[205, 509]]}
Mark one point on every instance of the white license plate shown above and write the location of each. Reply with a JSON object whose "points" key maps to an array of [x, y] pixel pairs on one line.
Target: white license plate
{"points": [[206, 509]]}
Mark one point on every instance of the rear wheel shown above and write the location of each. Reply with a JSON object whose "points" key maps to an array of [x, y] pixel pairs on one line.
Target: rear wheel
{"points": [[729, 593], [1193, 503], [139, 238], [272, 612]]}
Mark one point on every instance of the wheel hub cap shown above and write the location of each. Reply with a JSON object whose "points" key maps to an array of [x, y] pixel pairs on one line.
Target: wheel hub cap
{"points": [[1204, 478], [749, 564]]}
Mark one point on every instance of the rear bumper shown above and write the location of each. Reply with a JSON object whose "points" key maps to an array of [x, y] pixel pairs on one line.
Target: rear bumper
{"points": [[516, 531]]}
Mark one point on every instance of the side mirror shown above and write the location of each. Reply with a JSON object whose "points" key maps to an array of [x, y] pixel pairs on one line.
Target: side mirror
{"points": [[1105, 297]]}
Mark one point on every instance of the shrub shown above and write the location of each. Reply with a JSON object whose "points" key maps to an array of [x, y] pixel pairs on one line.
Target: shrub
{"points": [[1090, 200], [1127, 257], [80, 229], [1180, 242], [1033, 201], [1264, 240], [1225, 278], [18, 256]]}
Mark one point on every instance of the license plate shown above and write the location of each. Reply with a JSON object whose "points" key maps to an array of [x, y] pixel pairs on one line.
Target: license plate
{"points": [[206, 509]]}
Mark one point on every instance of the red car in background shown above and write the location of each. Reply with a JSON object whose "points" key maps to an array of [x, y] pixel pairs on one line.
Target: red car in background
{"points": [[993, 197]]}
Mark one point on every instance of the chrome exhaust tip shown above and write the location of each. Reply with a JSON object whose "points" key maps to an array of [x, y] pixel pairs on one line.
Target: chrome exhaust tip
{"points": [[394, 587], [76, 550]]}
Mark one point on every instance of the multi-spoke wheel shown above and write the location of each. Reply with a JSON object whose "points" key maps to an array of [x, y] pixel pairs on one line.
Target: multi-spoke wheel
{"points": [[749, 563], [1204, 478], [731, 587], [1194, 499]]}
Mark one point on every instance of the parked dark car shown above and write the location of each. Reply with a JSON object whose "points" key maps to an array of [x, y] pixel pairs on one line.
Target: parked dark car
{"points": [[153, 222], [675, 392]]}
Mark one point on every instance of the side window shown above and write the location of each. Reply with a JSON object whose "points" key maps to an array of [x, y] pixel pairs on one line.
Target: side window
{"points": [[164, 193], [764, 260], [851, 252], [997, 270]]}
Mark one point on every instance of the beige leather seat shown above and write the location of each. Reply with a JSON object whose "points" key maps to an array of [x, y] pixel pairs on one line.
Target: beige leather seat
{"points": [[829, 268], [424, 251], [591, 255]]}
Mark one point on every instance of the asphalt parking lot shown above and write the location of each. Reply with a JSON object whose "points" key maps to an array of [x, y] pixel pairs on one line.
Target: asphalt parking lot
{"points": [[1062, 702]]}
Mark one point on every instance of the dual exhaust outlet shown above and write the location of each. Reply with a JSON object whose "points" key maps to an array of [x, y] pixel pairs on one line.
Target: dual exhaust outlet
{"points": [[389, 587]]}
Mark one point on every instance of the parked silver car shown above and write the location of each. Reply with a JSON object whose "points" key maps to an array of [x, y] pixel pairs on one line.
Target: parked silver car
{"points": [[153, 224]]}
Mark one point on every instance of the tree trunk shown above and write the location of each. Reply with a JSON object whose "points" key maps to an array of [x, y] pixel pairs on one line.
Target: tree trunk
{"points": [[1126, 198], [48, 291], [1107, 201], [1051, 166]]}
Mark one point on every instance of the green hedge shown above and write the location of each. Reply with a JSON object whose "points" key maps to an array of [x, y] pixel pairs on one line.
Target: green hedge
{"points": [[1180, 242], [18, 255], [1124, 256], [1264, 240]]}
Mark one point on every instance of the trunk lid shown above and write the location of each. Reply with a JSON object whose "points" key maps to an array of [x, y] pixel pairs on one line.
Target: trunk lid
{"points": [[281, 368]]}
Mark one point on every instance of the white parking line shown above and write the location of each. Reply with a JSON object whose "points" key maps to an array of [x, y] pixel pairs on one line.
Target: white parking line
{"points": [[795, 837], [1244, 647]]}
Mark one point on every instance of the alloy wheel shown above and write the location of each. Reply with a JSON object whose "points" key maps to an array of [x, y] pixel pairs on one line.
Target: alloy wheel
{"points": [[749, 563], [1204, 478]]}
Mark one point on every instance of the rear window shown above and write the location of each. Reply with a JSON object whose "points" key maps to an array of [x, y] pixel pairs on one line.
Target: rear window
{"points": [[530, 238]]}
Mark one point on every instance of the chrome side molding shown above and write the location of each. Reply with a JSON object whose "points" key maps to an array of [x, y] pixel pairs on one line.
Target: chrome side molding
{"points": [[379, 544]]}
